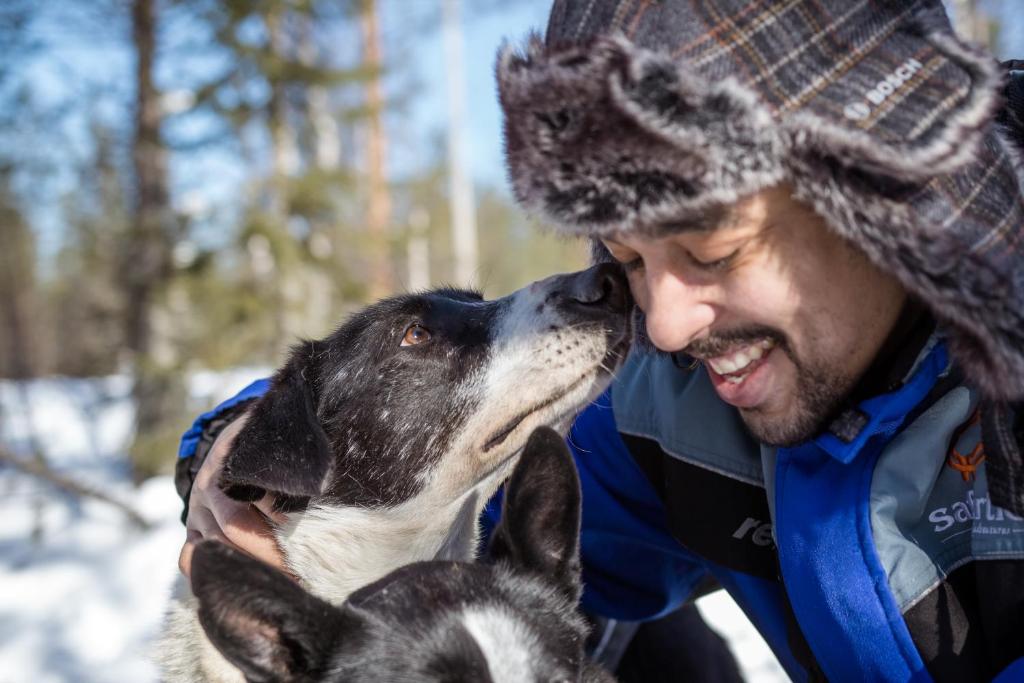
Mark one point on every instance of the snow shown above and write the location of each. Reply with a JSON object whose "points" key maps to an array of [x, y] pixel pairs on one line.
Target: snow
{"points": [[755, 658], [83, 602]]}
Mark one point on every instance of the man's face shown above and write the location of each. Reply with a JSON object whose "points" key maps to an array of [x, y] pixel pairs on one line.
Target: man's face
{"points": [[785, 315]]}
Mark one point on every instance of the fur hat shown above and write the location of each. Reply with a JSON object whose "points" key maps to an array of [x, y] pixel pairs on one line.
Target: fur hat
{"points": [[645, 114]]}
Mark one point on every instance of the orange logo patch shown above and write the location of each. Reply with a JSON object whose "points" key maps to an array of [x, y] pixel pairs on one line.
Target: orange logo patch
{"points": [[967, 464]]}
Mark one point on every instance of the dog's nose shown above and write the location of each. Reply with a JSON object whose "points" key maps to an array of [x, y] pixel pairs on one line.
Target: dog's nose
{"points": [[602, 286]]}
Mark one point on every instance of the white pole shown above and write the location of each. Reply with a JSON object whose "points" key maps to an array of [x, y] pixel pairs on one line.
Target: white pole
{"points": [[418, 250], [459, 184]]}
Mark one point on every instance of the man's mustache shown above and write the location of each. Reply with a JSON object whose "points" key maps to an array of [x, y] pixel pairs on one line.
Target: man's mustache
{"points": [[719, 343]]}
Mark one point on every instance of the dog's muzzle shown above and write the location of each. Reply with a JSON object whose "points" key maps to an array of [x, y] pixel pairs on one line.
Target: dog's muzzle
{"points": [[594, 293]]}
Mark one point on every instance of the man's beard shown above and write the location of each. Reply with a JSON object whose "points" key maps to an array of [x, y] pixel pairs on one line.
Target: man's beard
{"points": [[819, 393], [820, 389]]}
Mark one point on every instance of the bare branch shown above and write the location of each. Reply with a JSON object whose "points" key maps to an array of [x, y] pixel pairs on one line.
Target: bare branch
{"points": [[41, 470]]}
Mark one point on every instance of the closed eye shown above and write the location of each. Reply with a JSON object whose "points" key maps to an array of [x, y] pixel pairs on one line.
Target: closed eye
{"points": [[717, 264]]}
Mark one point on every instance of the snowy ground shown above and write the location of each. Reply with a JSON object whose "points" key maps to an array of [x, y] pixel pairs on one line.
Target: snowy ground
{"points": [[82, 603]]}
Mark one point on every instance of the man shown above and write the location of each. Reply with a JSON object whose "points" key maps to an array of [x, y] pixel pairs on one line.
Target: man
{"points": [[822, 225]]}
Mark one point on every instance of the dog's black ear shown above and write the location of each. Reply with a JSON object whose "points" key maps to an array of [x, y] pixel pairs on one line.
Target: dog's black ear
{"points": [[540, 519], [282, 448], [262, 621]]}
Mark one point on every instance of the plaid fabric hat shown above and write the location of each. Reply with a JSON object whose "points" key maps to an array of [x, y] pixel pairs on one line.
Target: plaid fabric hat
{"points": [[634, 114]]}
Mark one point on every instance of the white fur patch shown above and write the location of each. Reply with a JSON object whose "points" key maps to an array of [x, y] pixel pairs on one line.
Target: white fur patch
{"points": [[507, 644], [337, 550]]}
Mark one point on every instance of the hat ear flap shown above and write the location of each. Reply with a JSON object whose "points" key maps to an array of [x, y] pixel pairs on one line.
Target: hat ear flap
{"points": [[282, 449]]}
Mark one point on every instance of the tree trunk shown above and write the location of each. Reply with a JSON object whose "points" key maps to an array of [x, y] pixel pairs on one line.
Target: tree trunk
{"points": [[19, 312], [17, 292], [418, 249], [326, 141], [147, 251], [146, 266], [287, 272], [325, 153], [378, 212]]}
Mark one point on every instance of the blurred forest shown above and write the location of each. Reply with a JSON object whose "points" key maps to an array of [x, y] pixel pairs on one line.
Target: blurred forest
{"points": [[145, 277]]}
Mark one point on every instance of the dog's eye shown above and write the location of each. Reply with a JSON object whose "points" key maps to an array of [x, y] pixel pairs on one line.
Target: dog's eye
{"points": [[415, 334]]}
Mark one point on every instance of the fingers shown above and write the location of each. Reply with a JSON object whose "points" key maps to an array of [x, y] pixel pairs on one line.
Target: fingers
{"points": [[212, 515], [187, 550], [244, 526], [201, 525], [239, 525]]}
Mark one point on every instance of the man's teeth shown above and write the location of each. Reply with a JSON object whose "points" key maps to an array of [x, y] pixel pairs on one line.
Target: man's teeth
{"points": [[739, 359]]}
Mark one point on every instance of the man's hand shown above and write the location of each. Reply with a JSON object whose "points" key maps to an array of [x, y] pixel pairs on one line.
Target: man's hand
{"points": [[211, 514]]}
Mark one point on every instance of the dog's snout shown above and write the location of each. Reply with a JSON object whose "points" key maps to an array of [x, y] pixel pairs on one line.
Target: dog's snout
{"points": [[603, 286], [596, 292]]}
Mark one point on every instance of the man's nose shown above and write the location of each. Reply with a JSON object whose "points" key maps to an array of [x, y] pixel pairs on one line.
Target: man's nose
{"points": [[677, 312]]}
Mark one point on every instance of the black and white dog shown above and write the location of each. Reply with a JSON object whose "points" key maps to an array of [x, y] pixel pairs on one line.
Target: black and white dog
{"points": [[513, 620], [384, 438]]}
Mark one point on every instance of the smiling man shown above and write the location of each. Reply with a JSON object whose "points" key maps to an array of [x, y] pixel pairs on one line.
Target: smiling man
{"points": [[822, 225]]}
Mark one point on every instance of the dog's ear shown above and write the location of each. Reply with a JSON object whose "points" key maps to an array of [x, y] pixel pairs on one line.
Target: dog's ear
{"points": [[540, 519], [282, 448], [262, 621]]}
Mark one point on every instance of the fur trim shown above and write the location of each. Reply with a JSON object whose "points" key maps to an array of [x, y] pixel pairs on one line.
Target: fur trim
{"points": [[587, 130]]}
